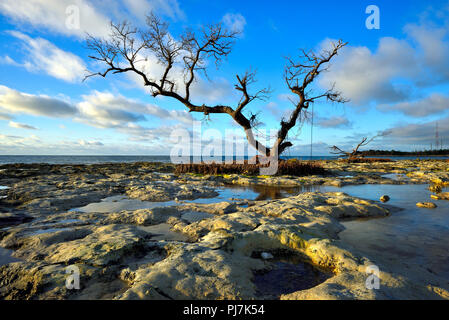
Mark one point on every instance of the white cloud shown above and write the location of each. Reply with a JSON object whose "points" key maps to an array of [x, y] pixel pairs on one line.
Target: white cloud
{"points": [[89, 143], [4, 116], [9, 141], [140, 8], [19, 125], [334, 122], [433, 104], [201, 91], [15, 102], [234, 21], [9, 60], [433, 47], [53, 15], [363, 76], [286, 97], [103, 109], [94, 16], [100, 109], [395, 69], [105, 112], [417, 136], [43, 56]]}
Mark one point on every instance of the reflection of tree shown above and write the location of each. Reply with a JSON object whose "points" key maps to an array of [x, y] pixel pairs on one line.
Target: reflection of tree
{"points": [[277, 192], [267, 192]]}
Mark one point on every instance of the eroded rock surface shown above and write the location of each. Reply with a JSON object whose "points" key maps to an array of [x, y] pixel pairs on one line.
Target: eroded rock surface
{"points": [[191, 250]]}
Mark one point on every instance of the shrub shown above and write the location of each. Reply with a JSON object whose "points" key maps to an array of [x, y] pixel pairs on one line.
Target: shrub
{"points": [[291, 167]]}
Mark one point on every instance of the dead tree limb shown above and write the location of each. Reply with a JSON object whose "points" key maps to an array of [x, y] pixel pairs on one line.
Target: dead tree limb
{"points": [[127, 48], [354, 154]]}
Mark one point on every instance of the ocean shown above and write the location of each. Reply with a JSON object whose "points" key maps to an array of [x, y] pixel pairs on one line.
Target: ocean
{"points": [[68, 159]]}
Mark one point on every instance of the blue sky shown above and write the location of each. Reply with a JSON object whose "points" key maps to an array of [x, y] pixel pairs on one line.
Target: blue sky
{"points": [[397, 77]]}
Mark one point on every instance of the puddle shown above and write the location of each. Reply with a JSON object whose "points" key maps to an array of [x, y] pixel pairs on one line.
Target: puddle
{"points": [[287, 274], [120, 203], [227, 193], [257, 192], [395, 176], [162, 232], [196, 216], [5, 256], [417, 236]]}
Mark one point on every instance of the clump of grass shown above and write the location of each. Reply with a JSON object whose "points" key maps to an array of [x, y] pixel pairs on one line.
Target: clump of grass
{"points": [[291, 167]]}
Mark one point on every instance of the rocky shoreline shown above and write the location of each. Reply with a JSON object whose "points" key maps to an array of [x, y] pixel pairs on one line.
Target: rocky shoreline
{"points": [[183, 248]]}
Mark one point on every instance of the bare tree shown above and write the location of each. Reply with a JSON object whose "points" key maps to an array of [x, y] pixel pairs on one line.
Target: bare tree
{"points": [[353, 155], [127, 47]]}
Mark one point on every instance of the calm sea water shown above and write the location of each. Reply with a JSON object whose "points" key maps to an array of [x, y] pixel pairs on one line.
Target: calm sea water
{"points": [[103, 159], [67, 159]]}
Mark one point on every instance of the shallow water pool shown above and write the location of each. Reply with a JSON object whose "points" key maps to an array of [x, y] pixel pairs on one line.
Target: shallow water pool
{"points": [[287, 273], [414, 235], [5, 256], [120, 203], [228, 193]]}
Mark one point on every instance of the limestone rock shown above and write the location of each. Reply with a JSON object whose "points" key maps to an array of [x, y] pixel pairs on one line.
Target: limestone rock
{"points": [[429, 205], [440, 196]]}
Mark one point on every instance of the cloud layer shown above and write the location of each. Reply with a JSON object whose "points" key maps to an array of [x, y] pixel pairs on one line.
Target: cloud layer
{"points": [[396, 70], [43, 56], [435, 103]]}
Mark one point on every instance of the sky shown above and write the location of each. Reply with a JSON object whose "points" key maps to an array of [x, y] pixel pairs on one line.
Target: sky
{"points": [[396, 76]]}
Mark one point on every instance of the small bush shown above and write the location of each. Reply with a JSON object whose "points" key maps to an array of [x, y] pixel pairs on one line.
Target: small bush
{"points": [[291, 167]]}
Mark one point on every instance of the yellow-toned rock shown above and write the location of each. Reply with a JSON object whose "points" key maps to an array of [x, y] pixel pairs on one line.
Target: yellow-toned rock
{"points": [[428, 205], [440, 196]]}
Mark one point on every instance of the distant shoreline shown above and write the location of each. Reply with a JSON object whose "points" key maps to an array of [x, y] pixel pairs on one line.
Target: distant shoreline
{"points": [[396, 153], [84, 159], [407, 155]]}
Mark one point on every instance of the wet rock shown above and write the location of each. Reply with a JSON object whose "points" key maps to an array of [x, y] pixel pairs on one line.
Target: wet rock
{"points": [[435, 188], [442, 181], [8, 218], [440, 196], [429, 205]]}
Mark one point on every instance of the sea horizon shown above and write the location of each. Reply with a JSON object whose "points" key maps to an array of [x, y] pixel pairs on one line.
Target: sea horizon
{"points": [[98, 159]]}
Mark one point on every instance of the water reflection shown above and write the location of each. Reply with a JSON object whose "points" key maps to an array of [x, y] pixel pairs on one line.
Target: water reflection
{"points": [[227, 193], [263, 192], [418, 236]]}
